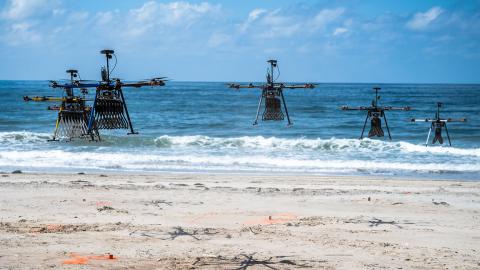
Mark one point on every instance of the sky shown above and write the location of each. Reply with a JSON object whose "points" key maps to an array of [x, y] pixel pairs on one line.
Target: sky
{"points": [[366, 41]]}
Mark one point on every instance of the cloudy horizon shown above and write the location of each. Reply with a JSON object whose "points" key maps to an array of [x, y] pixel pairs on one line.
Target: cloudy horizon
{"points": [[318, 41]]}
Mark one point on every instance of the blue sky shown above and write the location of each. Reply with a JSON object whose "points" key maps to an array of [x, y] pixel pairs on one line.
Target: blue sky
{"points": [[376, 41]]}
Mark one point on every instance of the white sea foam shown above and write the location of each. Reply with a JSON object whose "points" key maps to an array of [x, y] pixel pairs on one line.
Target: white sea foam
{"points": [[135, 161], [255, 153], [22, 137], [333, 144]]}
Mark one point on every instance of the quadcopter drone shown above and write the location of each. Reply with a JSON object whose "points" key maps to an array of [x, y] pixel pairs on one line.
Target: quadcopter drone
{"points": [[272, 93], [108, 111], [438, 124], [375, 113]]}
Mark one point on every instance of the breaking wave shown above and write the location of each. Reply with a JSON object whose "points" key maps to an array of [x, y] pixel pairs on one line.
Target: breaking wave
{"points": [[248, 153], [23, 137], [333, 145], [156, 162]]}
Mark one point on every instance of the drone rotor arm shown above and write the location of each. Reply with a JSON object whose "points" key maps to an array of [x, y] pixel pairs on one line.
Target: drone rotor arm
{"points": [[455, 120], [361, 108], [238, 86], [298, 86], [392, 108], [422, 120]]}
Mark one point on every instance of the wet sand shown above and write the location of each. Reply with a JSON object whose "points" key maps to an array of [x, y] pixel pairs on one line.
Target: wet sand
{"points": [[236, 221]]}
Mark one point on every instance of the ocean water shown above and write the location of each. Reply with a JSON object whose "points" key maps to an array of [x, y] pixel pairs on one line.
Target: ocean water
{"points": [[206, 127]]}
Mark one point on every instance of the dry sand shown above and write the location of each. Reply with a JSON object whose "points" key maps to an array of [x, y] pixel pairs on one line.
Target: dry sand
{"points": [[236, 221]]}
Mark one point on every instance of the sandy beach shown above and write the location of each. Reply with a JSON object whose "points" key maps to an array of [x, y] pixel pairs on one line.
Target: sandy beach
{"points": [[236, 221]]}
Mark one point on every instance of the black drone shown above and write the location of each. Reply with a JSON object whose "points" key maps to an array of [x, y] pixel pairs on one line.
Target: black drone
{"points": [[109, 109], [438, 124], [272, 92], [375, 113]]}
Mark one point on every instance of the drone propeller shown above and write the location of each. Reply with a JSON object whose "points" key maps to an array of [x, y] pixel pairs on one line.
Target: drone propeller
{"points": [[238, 86], [53, 84], [155, 80], [307, 86], [232, 85]]}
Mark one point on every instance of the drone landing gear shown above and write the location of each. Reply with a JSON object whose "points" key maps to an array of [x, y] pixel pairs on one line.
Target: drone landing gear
{"points": [[376, 128], [73, 124], [437, 127], [376, 125], [110, 111], [286, 110], [258, 109], [273, 108]]}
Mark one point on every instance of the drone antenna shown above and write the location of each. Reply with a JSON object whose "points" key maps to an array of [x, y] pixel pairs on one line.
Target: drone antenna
{"points": [[273, 65], [73, 74], [375, 102], [106, 72], [439, 105]]}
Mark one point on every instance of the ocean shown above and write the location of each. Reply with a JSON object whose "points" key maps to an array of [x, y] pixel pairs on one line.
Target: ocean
{"points": [[207, 127]]}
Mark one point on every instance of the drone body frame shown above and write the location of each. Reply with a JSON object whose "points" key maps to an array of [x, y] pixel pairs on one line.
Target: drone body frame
{"points": [[375, 113], [272, 96]]}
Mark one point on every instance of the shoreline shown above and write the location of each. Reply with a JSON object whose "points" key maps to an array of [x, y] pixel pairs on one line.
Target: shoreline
{"points": [[225, 221], [419, 177]]}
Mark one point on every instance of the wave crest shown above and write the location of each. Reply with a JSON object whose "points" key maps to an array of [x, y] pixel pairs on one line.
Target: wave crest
{"points": [[333, 145], [19, 137]]}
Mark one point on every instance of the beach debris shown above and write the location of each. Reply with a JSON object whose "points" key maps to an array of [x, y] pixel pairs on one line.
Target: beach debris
{"points": [[77, 119], [79, 259], [375, 222], [441, 203], [158, 203], [375, 113], [179, 231], [105, 208], [111, 209], [17, 172], [437, 125], [83, 183], [272, 93], [193, 233], [247, 261]]}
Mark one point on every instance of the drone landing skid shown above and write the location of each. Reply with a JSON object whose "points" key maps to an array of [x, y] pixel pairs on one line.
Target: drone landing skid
{"points": [[376, 128], [437, 128], [273, 107], [376, 125]]}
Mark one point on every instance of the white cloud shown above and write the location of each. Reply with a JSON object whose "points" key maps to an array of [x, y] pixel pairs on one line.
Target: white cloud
{"points": [[326, 16], [421, 20], [174, 14], [270, 24], [103, 18], [22, 34], [218, 39], [252, 17], [22, 9], [339, 31]]}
